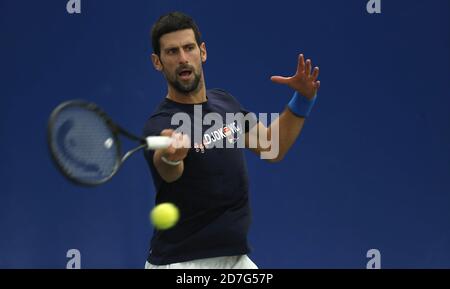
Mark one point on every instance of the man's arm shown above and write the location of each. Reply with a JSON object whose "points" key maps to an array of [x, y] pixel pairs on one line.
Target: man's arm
{"points": [[169, 162], [289, 124]]}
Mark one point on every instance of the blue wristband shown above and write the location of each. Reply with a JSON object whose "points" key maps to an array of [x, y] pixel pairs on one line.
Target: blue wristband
{"points": [[300, 105]]}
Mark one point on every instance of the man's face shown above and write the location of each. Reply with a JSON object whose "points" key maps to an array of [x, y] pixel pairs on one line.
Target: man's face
{"points": [[181, 60]]}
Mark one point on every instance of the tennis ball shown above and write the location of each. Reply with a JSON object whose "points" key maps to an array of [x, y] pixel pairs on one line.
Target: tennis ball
{"points": [[164, 216]]}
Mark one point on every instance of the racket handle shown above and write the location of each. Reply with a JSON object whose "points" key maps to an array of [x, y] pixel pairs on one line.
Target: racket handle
{"points": [[158, 142]]}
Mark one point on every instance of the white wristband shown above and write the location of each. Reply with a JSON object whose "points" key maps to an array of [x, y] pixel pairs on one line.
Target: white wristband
{"points": [[172, 163]]}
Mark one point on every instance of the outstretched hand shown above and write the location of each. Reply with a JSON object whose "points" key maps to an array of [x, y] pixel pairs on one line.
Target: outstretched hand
{"points": [[303, 81]]}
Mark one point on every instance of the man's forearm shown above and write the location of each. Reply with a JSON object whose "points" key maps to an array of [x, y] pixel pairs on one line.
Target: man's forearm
{"points": [[168, 173], [289, 127]]}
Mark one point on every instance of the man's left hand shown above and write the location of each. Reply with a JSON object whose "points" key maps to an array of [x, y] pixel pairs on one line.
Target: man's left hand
{"points": [[304, 82]]}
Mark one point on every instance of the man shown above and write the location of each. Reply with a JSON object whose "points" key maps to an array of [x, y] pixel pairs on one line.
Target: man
{"points": [[206, 181]]}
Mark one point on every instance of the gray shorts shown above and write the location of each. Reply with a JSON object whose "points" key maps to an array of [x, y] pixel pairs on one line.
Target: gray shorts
{"points": [[227, 262]]}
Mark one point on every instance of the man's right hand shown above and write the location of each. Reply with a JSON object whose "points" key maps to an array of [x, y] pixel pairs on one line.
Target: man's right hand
{"points": [[179, 147], [175, 153]]}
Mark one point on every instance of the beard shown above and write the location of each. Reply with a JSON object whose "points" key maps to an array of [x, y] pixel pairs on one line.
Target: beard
{"points": [[182, 86]]}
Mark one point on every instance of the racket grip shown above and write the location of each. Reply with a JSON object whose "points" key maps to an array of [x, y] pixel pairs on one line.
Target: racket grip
{"points": [[158, 142]]}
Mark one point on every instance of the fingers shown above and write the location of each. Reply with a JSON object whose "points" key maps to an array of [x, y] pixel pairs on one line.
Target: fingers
{"points": [[176, 140], [179, 140], [302, 66], [280, 79], [305, 80], [186, 141], [183, 141], [170, 150], [301, 63], [308, 67], [179, 147], [167, 132], [317, 84], [315, 73]]}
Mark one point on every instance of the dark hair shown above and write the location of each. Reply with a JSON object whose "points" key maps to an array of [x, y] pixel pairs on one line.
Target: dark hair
{"points": [[171, 22]]}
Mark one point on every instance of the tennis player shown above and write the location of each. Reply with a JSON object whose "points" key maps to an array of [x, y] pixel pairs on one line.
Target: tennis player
{"points": [[207, 183]]}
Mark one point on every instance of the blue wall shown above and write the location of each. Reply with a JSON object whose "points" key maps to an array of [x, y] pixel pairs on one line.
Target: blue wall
{"points": [[371, 169]]}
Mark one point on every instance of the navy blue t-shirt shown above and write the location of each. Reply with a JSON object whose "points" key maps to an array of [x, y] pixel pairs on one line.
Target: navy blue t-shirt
{"points": [[213, 192]]}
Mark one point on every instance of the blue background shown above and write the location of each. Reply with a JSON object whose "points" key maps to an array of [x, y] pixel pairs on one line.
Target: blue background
{"points": [[371, 169]]}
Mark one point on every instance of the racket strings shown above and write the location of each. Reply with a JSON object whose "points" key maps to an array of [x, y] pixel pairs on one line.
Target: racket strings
{"points": [[84, 145]]}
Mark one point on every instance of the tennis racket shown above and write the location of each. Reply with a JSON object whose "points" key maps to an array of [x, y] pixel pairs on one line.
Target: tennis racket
{"points": [[85, 145]]}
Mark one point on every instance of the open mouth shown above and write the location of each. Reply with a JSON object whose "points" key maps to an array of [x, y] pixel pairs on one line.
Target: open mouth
{"points": [[185, 74]]}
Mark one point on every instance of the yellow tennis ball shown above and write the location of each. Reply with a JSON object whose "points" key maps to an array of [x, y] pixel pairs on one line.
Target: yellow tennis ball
{"points": [[164, 216]]}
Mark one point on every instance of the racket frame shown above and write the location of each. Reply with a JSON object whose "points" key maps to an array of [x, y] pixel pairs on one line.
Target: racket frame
{"points": [[115, 130]]}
